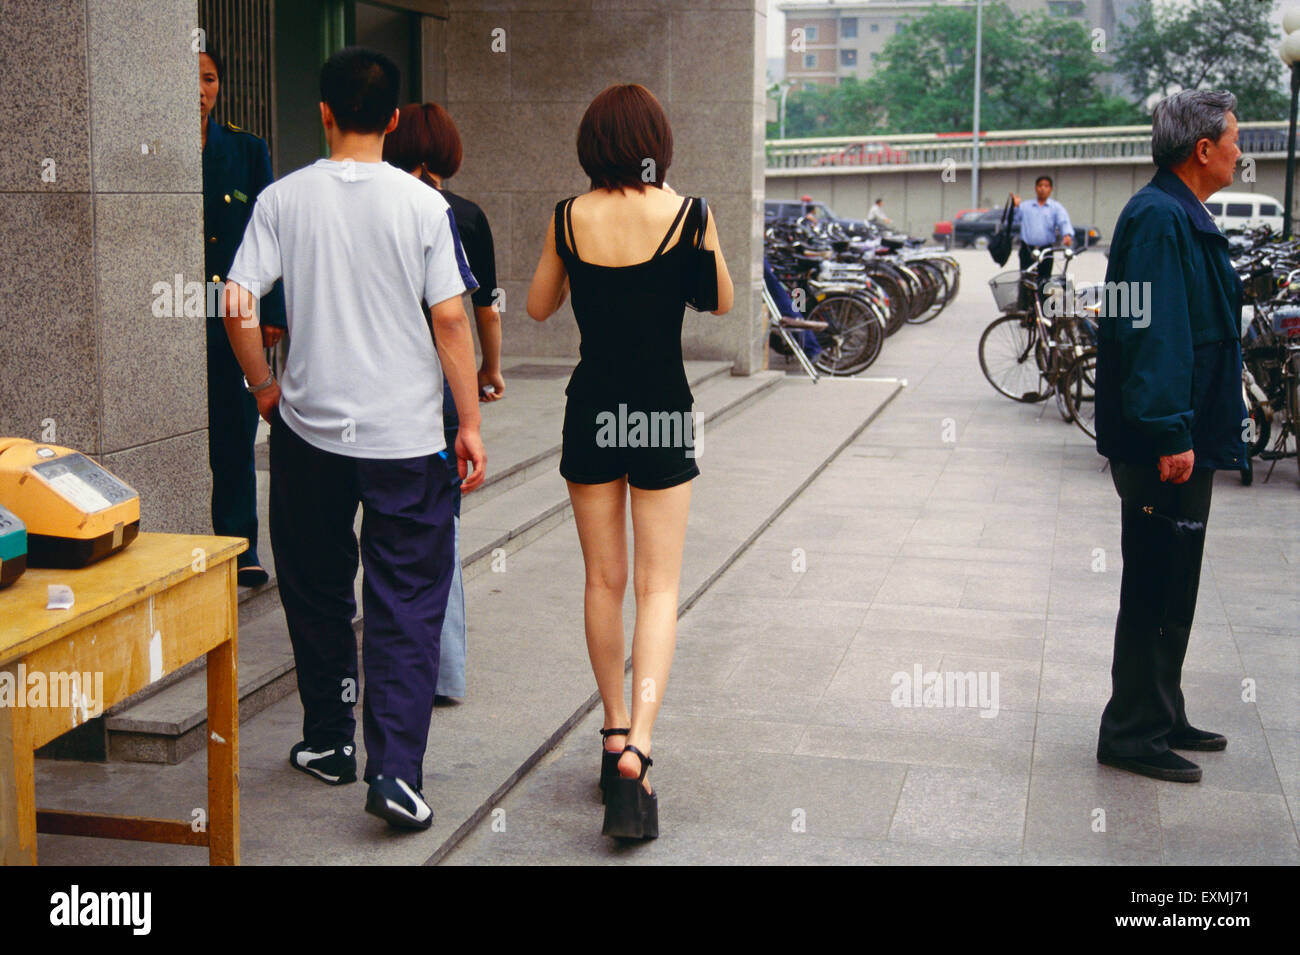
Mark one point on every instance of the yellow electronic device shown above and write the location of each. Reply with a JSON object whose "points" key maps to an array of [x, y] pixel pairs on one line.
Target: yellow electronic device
{"points": [[76, 512]]}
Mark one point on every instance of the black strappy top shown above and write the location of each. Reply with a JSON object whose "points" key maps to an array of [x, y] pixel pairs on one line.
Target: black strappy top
{"points": [[630, 319]]}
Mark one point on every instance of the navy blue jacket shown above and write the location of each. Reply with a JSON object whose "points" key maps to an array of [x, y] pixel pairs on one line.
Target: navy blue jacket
{"points": [[1169, 369], [236, 168]]}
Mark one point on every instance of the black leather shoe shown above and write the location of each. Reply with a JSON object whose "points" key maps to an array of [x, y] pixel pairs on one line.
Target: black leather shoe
{"points": [[1200, 740], [1168, 766]]}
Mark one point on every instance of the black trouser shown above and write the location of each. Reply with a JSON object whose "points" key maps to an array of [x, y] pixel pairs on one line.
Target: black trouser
{"points": [[232, 429], [407, 553], [1162, 540], [1044, 268]]}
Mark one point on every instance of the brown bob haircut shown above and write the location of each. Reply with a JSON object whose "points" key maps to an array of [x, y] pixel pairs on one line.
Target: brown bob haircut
{"points": [[425, 135], [622, 128]]}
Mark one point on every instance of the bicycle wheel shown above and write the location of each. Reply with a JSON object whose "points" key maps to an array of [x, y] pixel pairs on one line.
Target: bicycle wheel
{"points": [[1007, 358], [1079, 387], [938, 298], [853, 337], [899, 301]]}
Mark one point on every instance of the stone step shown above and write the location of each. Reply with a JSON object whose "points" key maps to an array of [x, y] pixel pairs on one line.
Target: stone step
{"points": [[168, 723]]}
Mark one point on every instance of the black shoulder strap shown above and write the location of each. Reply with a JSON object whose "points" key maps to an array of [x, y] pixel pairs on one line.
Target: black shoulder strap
{"points": [[563, 226], [568, 226], [673, 228]]}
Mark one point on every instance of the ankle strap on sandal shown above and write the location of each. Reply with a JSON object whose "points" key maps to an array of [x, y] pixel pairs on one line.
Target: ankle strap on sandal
{"points": [[646, 761], [614, 732]]}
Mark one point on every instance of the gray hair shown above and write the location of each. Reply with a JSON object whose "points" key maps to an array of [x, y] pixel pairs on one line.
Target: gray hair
{"points": [[1179, 121]]}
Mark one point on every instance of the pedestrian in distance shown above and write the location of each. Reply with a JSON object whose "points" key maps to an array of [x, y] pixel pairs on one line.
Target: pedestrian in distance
{"points": [[1169, 413], [624, 250], [876, 215], [361, 246], [1043, 223]]}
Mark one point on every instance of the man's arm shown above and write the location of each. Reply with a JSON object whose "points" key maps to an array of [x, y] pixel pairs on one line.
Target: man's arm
{"points": [[1155, 348], [240, 319], [456, 352]]}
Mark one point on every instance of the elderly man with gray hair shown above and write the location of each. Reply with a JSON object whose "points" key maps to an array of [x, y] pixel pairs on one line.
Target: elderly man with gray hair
{"points": [[1169, 413]]}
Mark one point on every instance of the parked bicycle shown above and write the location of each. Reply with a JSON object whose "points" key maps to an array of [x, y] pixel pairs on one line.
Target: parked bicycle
{"points": [[1044, 344]]}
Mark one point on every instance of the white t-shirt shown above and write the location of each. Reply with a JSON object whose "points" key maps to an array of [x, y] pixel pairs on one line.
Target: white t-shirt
{"points": [[359, 245]]}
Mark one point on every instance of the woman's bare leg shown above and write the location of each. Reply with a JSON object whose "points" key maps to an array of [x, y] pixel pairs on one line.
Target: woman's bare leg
{"points": [[599, 510], [658, 536]]}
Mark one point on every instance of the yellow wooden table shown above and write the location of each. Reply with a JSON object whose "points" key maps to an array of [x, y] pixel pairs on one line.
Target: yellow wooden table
{"points": [[137, 616]]}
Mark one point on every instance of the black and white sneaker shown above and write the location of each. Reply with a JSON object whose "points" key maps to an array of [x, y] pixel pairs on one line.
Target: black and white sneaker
{"points": [[401, 805], [334, 766]]}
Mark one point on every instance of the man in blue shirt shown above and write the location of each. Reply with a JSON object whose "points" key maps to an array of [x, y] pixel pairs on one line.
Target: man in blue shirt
{"points": [[1042, 224]]}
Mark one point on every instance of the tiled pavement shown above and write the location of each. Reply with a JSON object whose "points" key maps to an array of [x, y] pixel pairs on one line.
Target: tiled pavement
{"points": [[994, 553]]}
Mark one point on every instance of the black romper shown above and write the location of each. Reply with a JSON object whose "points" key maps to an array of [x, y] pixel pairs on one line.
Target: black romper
{"points": [[629, 403]]}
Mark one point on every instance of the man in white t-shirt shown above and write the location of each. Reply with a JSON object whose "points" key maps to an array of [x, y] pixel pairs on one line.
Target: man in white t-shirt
{"points": [[357, 419]]}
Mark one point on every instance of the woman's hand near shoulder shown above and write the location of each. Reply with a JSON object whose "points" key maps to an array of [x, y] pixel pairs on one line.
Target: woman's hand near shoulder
{"points": [[550, 283], [726, 290]]}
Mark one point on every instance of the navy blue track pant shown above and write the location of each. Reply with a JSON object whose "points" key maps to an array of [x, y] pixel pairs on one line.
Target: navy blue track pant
{"points": [[407, 554]]}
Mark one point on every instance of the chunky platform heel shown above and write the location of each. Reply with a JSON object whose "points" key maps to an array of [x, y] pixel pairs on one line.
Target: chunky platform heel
{"points": [[630, 811], [609, 760]]}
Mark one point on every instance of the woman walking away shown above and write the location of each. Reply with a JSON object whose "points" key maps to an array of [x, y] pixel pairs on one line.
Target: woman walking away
{"points": [[625, 251], [427, 145]]}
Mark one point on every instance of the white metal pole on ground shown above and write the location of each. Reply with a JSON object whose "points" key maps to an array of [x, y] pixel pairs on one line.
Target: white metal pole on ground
{"points": [[975, 135]]}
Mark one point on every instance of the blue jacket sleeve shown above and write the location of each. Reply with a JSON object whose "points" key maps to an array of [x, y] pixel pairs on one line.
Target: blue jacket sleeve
{"points": [[271, 310], [1154, 334]]}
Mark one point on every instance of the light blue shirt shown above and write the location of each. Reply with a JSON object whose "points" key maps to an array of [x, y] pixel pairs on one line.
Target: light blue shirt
{"points": [[1043, 224]]}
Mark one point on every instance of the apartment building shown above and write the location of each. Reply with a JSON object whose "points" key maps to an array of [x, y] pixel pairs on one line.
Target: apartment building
{"points": [[825, 42]]}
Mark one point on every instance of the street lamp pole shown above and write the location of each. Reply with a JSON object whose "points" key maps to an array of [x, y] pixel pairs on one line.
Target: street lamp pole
{"points": [[785, 91], [1290, 152], [1290, 53], [975, 136]]}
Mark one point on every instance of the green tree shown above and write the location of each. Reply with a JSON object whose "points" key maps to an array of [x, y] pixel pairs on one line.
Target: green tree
{"points": [[1064, 89], [1204, 44]]}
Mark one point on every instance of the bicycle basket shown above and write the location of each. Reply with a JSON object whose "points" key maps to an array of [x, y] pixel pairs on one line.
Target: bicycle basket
{"points": [[1286, 321], [1006, 290]]}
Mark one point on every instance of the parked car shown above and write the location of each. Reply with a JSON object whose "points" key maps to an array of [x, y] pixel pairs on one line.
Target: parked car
{"points": [[774, 209], [943, 228], [1239, 211], [976, 227], [864, 154]]}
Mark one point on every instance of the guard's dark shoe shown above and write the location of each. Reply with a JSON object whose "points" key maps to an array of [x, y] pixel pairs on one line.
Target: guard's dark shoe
{"points": [[1201, 740], [334, 766], [252, 576], [401, 805], [1167, 765]]}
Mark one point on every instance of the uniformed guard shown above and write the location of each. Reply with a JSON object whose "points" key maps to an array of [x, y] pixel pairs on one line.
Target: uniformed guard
{"points": [[236, 167]]}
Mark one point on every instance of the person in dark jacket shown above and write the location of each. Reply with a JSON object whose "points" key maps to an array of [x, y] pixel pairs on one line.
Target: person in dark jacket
{"points": [[236, 168], [1169, 413]]}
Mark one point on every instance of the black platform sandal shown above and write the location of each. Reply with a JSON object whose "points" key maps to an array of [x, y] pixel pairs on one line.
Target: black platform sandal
{"points": [[609, 760], [630, 811]]}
